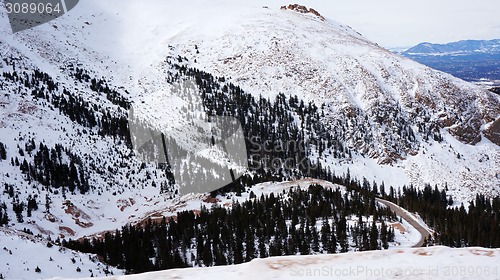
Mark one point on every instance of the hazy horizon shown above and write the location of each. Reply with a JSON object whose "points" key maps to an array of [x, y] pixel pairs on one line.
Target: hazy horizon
{"points": [[398, 24]]}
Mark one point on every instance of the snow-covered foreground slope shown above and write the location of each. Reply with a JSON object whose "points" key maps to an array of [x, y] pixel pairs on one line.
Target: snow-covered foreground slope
{"points": [[21, 254], [422, 263]]}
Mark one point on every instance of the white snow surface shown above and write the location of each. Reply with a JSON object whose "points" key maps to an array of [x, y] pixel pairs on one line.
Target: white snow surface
{"points": [[411, 263], [21, 254]]}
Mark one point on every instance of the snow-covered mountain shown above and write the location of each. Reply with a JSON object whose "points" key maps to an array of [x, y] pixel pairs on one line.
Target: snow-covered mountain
{"points": [[463, 47], [66, 87], [471, 60]]}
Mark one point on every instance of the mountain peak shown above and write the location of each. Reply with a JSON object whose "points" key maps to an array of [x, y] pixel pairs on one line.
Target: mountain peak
{"points": [[302, 9]]}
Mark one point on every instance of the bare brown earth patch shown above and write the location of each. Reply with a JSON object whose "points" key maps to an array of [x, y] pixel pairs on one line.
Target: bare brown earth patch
{"points": [[50, 218], [302, 9], [42, 230], [83, 224], [122, 204], [66, 231], [399, 227], [482, 252], [421, 252], [210, 199], [80, 217], [26, 108]]}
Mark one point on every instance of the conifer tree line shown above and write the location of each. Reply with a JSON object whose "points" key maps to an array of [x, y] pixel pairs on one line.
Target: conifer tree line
{"points": [[270, 122], [4, 217], [99, 85], [49, 169], [42, 86], [293, 222], [45, 165], [479, 225], [3, 152], [282, 224]]}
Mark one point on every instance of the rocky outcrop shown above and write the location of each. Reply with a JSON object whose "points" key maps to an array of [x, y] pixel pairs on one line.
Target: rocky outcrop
{"points": [[302, 9], [495, 90], [493, 132]]}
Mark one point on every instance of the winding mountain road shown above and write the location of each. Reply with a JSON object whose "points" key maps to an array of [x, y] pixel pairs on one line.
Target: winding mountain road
{"points": [[414, 223]]}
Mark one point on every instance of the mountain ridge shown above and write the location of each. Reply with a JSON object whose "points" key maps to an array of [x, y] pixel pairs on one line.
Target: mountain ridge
{"points": [[456, 48], [472, 60]]}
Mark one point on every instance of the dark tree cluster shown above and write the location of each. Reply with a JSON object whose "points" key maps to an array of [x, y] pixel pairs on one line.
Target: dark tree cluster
{"points": [[37, 79], [100, 86], [292, 222], [4, 217], [49, 169], [18, 206], [495, 90], [280, 134], [109, 123], [479, 225], [3, 151]]}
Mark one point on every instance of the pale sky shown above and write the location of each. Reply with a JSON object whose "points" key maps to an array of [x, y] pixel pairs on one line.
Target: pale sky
{"points": [[402, 23]]}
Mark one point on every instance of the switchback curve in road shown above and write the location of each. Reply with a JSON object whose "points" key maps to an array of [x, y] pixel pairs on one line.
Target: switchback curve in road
{"points": [[411, 220]]}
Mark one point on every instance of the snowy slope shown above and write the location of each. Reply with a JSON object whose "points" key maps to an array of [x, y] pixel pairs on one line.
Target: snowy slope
{"points": [[405, 234], [268, 51], [422, 263], [21, 254]]}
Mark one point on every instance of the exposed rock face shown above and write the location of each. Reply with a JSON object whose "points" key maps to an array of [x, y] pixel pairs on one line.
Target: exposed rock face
{"points": [[495, 90], [493, 132], [302, 9]]}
